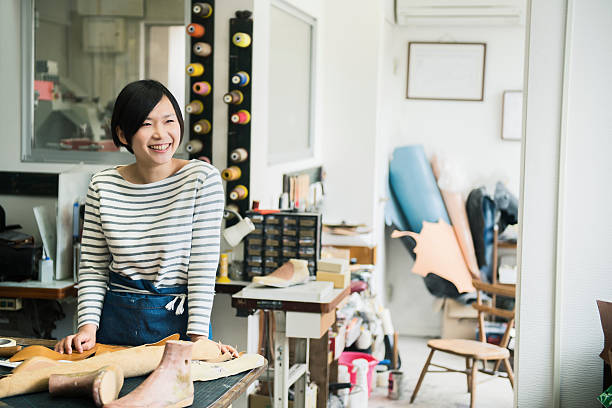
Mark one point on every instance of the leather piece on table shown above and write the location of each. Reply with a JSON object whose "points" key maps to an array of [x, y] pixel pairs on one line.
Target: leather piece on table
{"points": [[108, 348], [437, 251], [134, 361], [9, 351], [206, 371], [42, 351]]}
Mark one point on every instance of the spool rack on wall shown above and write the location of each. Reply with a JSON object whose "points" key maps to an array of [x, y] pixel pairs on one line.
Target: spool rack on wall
{"points": [[200, 70], [238, 100]]}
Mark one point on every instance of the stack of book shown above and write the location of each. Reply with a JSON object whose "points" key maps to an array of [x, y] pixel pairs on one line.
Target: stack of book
{"points": [[334, 270]]}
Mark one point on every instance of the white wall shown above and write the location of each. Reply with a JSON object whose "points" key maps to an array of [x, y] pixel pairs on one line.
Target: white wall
{"points": [[566, 234], [266, 179], [467, 133]]}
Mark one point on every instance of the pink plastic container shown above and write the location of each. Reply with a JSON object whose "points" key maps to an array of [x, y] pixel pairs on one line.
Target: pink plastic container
{"points": [[347, 357]]}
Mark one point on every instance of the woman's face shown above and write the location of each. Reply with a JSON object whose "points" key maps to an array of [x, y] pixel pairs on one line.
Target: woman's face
{"points": [[159, 135]]}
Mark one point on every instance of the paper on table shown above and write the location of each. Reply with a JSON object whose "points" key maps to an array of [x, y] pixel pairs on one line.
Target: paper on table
{"points": [[45, 219], [72, 186]]}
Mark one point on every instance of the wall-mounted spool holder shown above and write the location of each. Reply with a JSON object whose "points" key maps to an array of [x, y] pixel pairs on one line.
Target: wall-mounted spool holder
{"points": [[200, 101], [238, 100]]}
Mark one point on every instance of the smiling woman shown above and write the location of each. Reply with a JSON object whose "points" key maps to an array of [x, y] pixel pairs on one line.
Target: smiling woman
{"points": [[151, 233]]}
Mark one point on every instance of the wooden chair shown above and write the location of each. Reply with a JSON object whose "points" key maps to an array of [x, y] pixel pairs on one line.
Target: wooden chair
{"points": [[473, 350]]}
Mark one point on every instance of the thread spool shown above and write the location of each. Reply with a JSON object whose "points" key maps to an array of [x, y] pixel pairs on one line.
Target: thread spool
{"points": [[194, 70], [234, 97], [239, 155], [241, 78], [204, 159], [231, 173], [203, 10], [242, 117], [223, 269], [195, 30], [202, 88], [202, 49], [241, 40], [194, 146], [202, 127], [194, 107], [6, 342], [239, 192]]}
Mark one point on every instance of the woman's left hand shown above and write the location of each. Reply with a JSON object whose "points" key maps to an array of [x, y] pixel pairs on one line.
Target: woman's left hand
{"points": [[223, 347]]}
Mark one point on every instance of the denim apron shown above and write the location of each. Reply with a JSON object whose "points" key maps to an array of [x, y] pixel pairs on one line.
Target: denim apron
{"points": [[135, 312]]}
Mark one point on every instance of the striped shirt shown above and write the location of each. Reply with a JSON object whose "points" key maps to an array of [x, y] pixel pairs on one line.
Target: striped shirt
{"points": [[167, 232]]}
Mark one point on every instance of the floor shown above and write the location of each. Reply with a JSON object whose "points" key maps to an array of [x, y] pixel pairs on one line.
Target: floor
{"points": [[447, 390]]}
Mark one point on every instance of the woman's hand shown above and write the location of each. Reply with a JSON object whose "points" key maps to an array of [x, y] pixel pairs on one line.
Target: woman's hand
{"points": [[223, 347], [83, 340]]}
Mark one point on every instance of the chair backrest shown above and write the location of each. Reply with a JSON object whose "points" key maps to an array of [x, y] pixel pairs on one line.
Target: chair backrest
{"points": [[494, 289]]}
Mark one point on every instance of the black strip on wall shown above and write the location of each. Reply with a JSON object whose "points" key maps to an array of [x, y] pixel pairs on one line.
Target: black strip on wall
{"points": [[28, 184]]}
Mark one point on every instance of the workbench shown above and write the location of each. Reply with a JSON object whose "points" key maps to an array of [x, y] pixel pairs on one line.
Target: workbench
{"points": [[293, 318], [219, 393]]}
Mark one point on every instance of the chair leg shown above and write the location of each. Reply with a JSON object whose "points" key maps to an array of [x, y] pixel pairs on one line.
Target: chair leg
{"points": [[468, 373], [416, 389], [509, 371], [497, 364], [473, 386]]}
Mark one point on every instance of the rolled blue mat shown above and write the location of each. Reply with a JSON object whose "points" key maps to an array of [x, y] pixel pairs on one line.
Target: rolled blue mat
{"points": [[415, 188]]}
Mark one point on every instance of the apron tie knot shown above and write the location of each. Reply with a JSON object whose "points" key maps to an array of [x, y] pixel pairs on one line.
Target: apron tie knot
{"points": [[180, 308]]}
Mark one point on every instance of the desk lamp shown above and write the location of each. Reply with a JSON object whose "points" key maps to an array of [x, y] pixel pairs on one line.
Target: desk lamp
{"points": [[234, 234]]}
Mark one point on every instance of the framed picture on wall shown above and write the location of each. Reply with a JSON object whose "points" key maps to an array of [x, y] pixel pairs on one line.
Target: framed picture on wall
{"points": [[446, 71], [512, 115]]}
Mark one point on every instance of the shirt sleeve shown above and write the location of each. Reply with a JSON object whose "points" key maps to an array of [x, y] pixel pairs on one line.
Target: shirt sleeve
{"points": [[206, 236], [93, 267]]}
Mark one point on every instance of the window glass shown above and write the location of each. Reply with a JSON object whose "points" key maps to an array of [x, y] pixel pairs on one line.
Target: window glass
{"points": [[291, 82], [84, 52]]}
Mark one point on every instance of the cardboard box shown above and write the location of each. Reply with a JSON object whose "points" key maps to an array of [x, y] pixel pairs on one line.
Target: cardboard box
{"points": [[336, 265], [459, 321], [340, 280], [263, 401]]}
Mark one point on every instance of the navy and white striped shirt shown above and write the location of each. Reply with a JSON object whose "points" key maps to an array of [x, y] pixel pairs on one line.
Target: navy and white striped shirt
{"points": [[167, 232]]}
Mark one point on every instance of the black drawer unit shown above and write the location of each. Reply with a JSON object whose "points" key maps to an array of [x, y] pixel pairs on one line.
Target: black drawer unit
{"points": [[279, 237]]}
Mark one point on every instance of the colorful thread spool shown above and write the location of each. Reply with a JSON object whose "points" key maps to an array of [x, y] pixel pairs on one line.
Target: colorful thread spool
{"points": [[234, 97], [242, 117], [202, 88], [205, 159], [195, 30], [239, 155], [241, 78], [239, 192], [203, 10], [194, 107], [231, 173], [202, 127], [194, 146], [241, 40], [202, 49], [194, 70]]}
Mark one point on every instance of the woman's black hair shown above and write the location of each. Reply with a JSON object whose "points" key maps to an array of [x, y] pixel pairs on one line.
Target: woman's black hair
{"points": [[134, 104]]}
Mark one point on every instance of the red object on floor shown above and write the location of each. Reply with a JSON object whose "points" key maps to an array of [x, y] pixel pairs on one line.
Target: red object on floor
{"points": [[347, 357], [358, 286]]}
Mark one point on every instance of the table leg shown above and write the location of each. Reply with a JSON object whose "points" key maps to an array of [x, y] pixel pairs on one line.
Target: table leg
{"points": [[281, 362], [319, 369], [302, 347]]}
